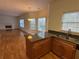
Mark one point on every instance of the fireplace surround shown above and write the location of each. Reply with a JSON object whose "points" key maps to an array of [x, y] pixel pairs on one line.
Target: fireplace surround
{"points": [[8, 27]]}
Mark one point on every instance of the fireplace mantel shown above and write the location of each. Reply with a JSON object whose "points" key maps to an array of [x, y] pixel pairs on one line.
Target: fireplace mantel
{"points": [[8, 27]]}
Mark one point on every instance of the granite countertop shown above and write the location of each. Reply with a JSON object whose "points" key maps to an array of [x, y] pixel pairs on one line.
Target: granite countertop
{"points": [[76, 41], [41, 35], [38, 36]]}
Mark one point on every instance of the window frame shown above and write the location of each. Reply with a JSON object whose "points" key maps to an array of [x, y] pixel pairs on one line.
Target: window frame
{"points": [[45, 23], [24, 22], [33, 24], [69, 22]]}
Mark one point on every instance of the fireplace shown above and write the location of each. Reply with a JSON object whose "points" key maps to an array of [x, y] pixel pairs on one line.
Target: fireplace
{"points": [[8, 27]]}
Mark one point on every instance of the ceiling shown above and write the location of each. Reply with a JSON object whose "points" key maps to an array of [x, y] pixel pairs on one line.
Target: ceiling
{"points": [[18, 7]]}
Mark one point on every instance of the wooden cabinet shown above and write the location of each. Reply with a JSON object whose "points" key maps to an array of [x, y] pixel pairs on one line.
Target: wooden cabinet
{"points": [[41, 48], [37, 49], [63, 49], [29, 49]]}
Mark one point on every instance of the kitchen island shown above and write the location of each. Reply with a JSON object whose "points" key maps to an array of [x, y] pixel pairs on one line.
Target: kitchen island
{"points": [[41, 43]]}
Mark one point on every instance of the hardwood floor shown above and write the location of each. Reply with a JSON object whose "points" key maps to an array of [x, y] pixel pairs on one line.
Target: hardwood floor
{"points": [[12, 45], [50, 56]]}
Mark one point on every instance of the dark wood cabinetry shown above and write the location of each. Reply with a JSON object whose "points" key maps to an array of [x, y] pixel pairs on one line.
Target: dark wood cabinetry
{"points": [[42, 47], [63, 49], [37, 49]]}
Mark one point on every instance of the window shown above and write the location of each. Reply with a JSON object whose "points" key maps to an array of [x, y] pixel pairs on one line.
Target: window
{"points": [[33, 24], [42, 24], [70, 21], [21, 23]]}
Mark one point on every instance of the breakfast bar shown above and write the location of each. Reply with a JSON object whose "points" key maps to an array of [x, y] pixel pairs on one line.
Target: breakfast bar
{"points": [[41, 43]]}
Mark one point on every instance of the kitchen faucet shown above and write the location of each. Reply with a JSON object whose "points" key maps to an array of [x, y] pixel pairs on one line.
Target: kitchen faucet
{"points": [[68, 33]]}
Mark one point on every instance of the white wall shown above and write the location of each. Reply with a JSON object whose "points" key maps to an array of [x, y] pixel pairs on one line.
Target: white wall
{"points": [[26, 22], [42, 13], [57, 9], [8, 20]]}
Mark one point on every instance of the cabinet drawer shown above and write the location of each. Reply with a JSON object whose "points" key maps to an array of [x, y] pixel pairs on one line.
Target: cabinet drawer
{"points": [[57, 48]]}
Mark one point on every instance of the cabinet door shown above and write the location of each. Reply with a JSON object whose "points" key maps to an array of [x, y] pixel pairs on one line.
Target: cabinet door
{"points": [[69, 51], [63, 49], [46, 45], [57, 47], [42, 47]]}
